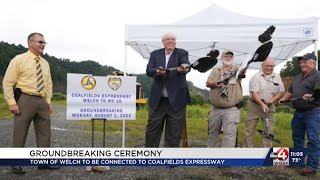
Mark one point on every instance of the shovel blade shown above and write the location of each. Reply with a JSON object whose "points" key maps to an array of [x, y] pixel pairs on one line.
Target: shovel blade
{"points": [[269, 136]]}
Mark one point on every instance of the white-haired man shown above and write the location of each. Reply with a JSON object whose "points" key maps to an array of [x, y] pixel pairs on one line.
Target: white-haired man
{"points": [[226, 100], [169, 94], [306, 118], [265, 88]]}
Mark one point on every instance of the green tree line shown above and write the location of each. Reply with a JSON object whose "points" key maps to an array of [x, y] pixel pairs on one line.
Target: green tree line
{"points": [[292, 67], [60, 67]]}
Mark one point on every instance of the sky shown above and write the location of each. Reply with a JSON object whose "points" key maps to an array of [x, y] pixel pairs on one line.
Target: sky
{"points": [[94, 30]]}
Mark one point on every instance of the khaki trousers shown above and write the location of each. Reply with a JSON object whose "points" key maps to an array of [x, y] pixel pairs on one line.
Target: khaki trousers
{"points": [[254, 113], [228, 119], [36, 109]]}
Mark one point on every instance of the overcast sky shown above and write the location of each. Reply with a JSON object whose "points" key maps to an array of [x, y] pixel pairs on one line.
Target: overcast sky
{"points": [[94, 29]]}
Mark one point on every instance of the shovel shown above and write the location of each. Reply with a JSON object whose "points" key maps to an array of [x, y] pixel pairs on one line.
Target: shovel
{"points": [[315, 96], [266, 134], [202, 65]]}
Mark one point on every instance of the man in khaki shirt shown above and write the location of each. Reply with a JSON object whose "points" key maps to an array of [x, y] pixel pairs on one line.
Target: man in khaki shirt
{"points": [[265, 88], [27, 88], [225, 100]]}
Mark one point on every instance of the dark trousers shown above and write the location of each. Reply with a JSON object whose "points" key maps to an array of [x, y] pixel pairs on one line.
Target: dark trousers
{"points": [[32, 108], [173, 121], [307, 122]]}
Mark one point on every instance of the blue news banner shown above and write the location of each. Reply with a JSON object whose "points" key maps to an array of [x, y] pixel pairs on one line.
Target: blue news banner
{"points": [[185, 157]]}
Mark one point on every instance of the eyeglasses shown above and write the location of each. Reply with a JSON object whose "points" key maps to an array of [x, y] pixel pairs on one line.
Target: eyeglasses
{"points": [[41, 42], [228, 56], [269, 66]]}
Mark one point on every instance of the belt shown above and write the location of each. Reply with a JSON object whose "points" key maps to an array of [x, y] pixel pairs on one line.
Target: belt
{"points": [[228, 107], [32, 95], [262, 101]]}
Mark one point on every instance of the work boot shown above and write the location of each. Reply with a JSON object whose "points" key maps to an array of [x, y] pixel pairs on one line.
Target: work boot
{"points": [[308, 171]]}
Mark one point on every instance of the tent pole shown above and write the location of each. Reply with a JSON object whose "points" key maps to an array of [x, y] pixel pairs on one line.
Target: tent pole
{"points": [[124, 73], [316, 51]]}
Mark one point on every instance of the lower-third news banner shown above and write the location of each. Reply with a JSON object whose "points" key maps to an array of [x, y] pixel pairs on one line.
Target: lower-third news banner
{"points": [[152, 156]]}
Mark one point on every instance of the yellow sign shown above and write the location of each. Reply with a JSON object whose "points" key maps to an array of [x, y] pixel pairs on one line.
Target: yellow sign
{"points": [[114, 83], [88, 82]]}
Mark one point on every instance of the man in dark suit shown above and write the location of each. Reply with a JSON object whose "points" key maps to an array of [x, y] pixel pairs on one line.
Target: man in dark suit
{"points": [[169, 93]]}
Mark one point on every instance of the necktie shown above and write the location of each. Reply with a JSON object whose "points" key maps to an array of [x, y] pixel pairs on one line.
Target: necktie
{"points": [[40, 84]]}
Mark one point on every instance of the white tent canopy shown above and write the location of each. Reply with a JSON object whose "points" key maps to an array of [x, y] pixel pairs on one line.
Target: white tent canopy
{"points": [[222, 29]]}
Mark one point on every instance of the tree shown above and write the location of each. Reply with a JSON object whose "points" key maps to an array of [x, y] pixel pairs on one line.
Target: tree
{"points": [[198, 99], [291, 68], [61, 66]]}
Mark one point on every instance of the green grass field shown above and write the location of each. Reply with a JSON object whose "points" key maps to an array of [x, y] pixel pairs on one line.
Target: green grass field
{"points": [[197, 127]]}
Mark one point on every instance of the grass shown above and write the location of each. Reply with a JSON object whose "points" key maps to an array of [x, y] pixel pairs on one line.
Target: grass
{"points": [[197, 127], [4, 109], [59, 102]]}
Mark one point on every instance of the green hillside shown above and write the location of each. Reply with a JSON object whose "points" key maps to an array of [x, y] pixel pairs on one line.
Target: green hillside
{"points": [[60, 67]]}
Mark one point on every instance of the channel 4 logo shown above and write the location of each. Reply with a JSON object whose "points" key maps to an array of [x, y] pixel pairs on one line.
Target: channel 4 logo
{"points": [[280, 156]]}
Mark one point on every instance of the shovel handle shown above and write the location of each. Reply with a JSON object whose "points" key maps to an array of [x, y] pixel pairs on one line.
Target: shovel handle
{"points": [[290, 100]]}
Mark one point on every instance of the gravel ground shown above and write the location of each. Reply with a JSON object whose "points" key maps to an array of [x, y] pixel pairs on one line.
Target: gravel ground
{"points": [[72, 134]]}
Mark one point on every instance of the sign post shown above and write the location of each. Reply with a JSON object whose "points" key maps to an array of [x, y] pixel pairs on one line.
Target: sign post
{"points": [[101, 98]]}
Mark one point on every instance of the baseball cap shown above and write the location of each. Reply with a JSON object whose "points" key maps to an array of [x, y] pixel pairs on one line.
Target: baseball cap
{"points": [[227, 51], [307, 57]]}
